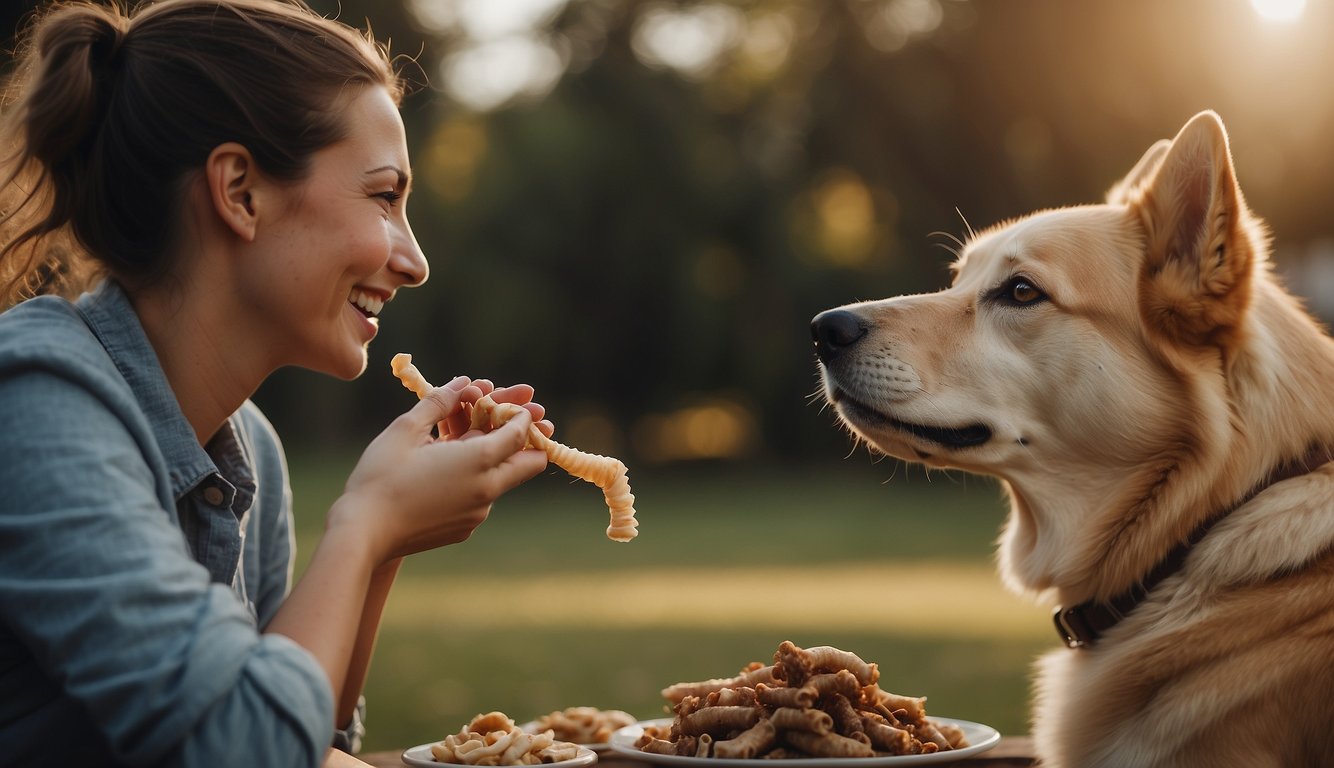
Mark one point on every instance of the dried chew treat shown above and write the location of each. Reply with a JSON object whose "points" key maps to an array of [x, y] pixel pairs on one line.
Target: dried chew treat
{"points": [[583, 725], [827, 744], [953, 734], [752, 675], [603, 471], [887, 737], [719, 720], [830, 683], [606, 473], [783, 696], [494, 739], [826, 658], [703, 745], [815, 703], [756, 740], [914, 706], [655, 746], [731, 697], [794, 719], [408, 374], [845, 715]]}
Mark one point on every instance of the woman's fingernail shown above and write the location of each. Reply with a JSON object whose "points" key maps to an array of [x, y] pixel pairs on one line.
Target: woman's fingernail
{"points": [[458, 382]]}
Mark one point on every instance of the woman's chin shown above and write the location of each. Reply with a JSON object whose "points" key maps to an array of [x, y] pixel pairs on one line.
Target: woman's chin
{"points": [[347, 364], [353, 368]]}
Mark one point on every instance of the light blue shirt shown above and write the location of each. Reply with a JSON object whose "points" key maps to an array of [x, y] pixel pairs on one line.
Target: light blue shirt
{"points": [[136, 567]]}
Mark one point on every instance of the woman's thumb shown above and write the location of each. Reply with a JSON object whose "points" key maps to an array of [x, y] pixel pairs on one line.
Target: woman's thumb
{"points": [[438, 404]]}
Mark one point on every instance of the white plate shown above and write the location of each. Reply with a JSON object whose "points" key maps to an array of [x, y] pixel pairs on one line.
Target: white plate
{"points": [[421, 757], [980, 739], [597, 746]]}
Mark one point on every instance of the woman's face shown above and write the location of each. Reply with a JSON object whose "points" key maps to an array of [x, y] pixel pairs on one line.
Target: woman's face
{"points": [[339, 246]]}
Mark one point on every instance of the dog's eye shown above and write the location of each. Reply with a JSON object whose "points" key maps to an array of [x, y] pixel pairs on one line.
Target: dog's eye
{"points": [[1024, 293], [1020, 292]]}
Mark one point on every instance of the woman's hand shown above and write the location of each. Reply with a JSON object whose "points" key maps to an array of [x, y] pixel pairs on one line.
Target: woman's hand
{"points": [[457, 424], [411, 492]]}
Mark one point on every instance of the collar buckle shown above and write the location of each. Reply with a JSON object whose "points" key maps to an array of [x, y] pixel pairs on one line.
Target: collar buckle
{"points": [[1073, 627]]}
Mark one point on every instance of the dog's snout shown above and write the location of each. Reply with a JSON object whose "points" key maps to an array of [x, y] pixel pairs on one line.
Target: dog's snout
{"points": [[835, 330]]}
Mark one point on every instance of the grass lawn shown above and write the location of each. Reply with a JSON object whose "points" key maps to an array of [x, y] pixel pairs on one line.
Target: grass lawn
{"points": [[539, 611]]}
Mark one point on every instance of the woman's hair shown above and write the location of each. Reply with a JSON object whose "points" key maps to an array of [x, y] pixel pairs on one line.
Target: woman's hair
{"points": [[109, 112]]}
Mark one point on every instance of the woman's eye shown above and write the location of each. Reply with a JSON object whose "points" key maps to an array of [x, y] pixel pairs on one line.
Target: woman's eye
{"points": [[390, 197]]}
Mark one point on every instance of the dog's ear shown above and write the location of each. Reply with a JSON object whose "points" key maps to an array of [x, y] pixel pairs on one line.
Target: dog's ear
{"points": [[1195, 284], [1122, 191]]}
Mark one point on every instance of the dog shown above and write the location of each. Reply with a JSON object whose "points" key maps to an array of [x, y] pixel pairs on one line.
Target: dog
{"points": [[1160, 414]]}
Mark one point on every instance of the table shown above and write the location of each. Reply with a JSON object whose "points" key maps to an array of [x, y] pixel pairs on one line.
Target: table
{"points": [[1012, 752]]}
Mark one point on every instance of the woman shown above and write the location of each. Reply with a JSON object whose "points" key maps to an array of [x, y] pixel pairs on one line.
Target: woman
{"points": [[228, 179]]}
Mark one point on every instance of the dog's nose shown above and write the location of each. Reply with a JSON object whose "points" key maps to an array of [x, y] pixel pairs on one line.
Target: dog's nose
{"points": [[835, 330]]}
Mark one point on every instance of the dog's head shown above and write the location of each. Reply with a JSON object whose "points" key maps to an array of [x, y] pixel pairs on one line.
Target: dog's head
{"points": [[1080, 355]]}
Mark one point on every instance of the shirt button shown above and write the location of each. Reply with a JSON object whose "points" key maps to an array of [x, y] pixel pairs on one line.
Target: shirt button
{"points": [[213, 495]]}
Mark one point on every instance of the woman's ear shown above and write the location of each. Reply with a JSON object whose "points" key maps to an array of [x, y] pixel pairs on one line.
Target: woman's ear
{"points": [[231, 175]]}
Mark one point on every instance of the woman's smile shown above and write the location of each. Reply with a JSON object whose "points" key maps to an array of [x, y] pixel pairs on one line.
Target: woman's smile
{"points": [[366, 308]]}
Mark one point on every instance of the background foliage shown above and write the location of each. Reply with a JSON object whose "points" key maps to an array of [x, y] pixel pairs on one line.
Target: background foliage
{"points": [[644, 223], [646, 243]]}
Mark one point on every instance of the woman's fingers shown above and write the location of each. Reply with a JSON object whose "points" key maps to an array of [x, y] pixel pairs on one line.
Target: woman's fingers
{"points": [[459, 422], [505, 451], [516, 393], [522, 394]]}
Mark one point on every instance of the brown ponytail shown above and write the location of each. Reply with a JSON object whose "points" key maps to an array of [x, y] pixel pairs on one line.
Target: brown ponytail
{"points": [[109, 112]]}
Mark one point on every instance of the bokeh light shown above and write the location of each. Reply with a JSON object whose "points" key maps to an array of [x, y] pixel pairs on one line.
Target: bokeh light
{"points": [[1279, 10], [690, 39]]}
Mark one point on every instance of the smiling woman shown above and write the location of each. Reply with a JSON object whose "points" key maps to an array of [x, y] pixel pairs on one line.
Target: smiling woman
{"points": [[227, 180]]}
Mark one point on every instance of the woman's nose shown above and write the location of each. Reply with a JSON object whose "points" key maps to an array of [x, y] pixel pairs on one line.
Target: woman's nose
{"points": [[407, 258]]}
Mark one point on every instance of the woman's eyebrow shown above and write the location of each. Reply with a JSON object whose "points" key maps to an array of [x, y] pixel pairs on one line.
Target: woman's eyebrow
{"points": [[402, 175]]}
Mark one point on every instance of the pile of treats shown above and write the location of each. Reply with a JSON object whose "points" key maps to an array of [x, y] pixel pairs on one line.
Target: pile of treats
{"points": [[584, 725], [810, 703], [494, 739]]}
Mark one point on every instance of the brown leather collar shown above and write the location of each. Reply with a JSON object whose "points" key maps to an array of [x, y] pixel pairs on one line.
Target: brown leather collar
{"points": [[1080, 626]]}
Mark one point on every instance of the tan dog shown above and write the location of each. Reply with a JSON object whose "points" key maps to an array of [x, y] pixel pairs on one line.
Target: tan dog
{"points": [[1161, 415]]}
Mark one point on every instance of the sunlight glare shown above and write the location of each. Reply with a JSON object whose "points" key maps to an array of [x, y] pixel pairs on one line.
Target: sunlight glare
{"points": [[1279, 10]]}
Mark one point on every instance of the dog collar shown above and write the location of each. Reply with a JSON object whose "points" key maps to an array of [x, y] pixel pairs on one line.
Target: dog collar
{"points": [[1081, 625]]}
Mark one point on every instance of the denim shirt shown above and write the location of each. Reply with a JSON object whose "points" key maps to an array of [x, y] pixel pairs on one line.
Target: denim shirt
{"points": [[137, 568]]}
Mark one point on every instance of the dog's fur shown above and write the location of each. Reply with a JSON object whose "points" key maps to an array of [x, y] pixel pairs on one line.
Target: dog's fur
{"points": [[1129, 370]]}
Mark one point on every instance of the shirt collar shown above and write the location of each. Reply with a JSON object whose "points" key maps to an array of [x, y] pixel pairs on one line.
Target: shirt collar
{"points": [[109, 314]]}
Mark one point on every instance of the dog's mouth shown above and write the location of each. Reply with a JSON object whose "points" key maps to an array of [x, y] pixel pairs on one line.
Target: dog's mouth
{"points": [[967, 436]]}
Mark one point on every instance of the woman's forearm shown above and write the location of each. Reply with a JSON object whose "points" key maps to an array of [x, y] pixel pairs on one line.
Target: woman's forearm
{"points": [[376, 596], [324, 611]]}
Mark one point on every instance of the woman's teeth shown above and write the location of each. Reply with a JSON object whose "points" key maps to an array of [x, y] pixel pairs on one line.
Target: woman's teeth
{"points": [[368, 304]]}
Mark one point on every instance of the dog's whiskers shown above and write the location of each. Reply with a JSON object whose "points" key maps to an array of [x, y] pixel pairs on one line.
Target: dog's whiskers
{"points": [[954, 247], [972, 233]]}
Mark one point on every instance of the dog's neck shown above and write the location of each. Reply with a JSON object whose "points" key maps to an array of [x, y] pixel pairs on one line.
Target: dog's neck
{"points": [[1080, 626]]}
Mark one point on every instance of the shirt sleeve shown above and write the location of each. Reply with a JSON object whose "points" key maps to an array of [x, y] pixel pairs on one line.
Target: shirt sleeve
{"points": [[97, 584], [271, 535]]}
